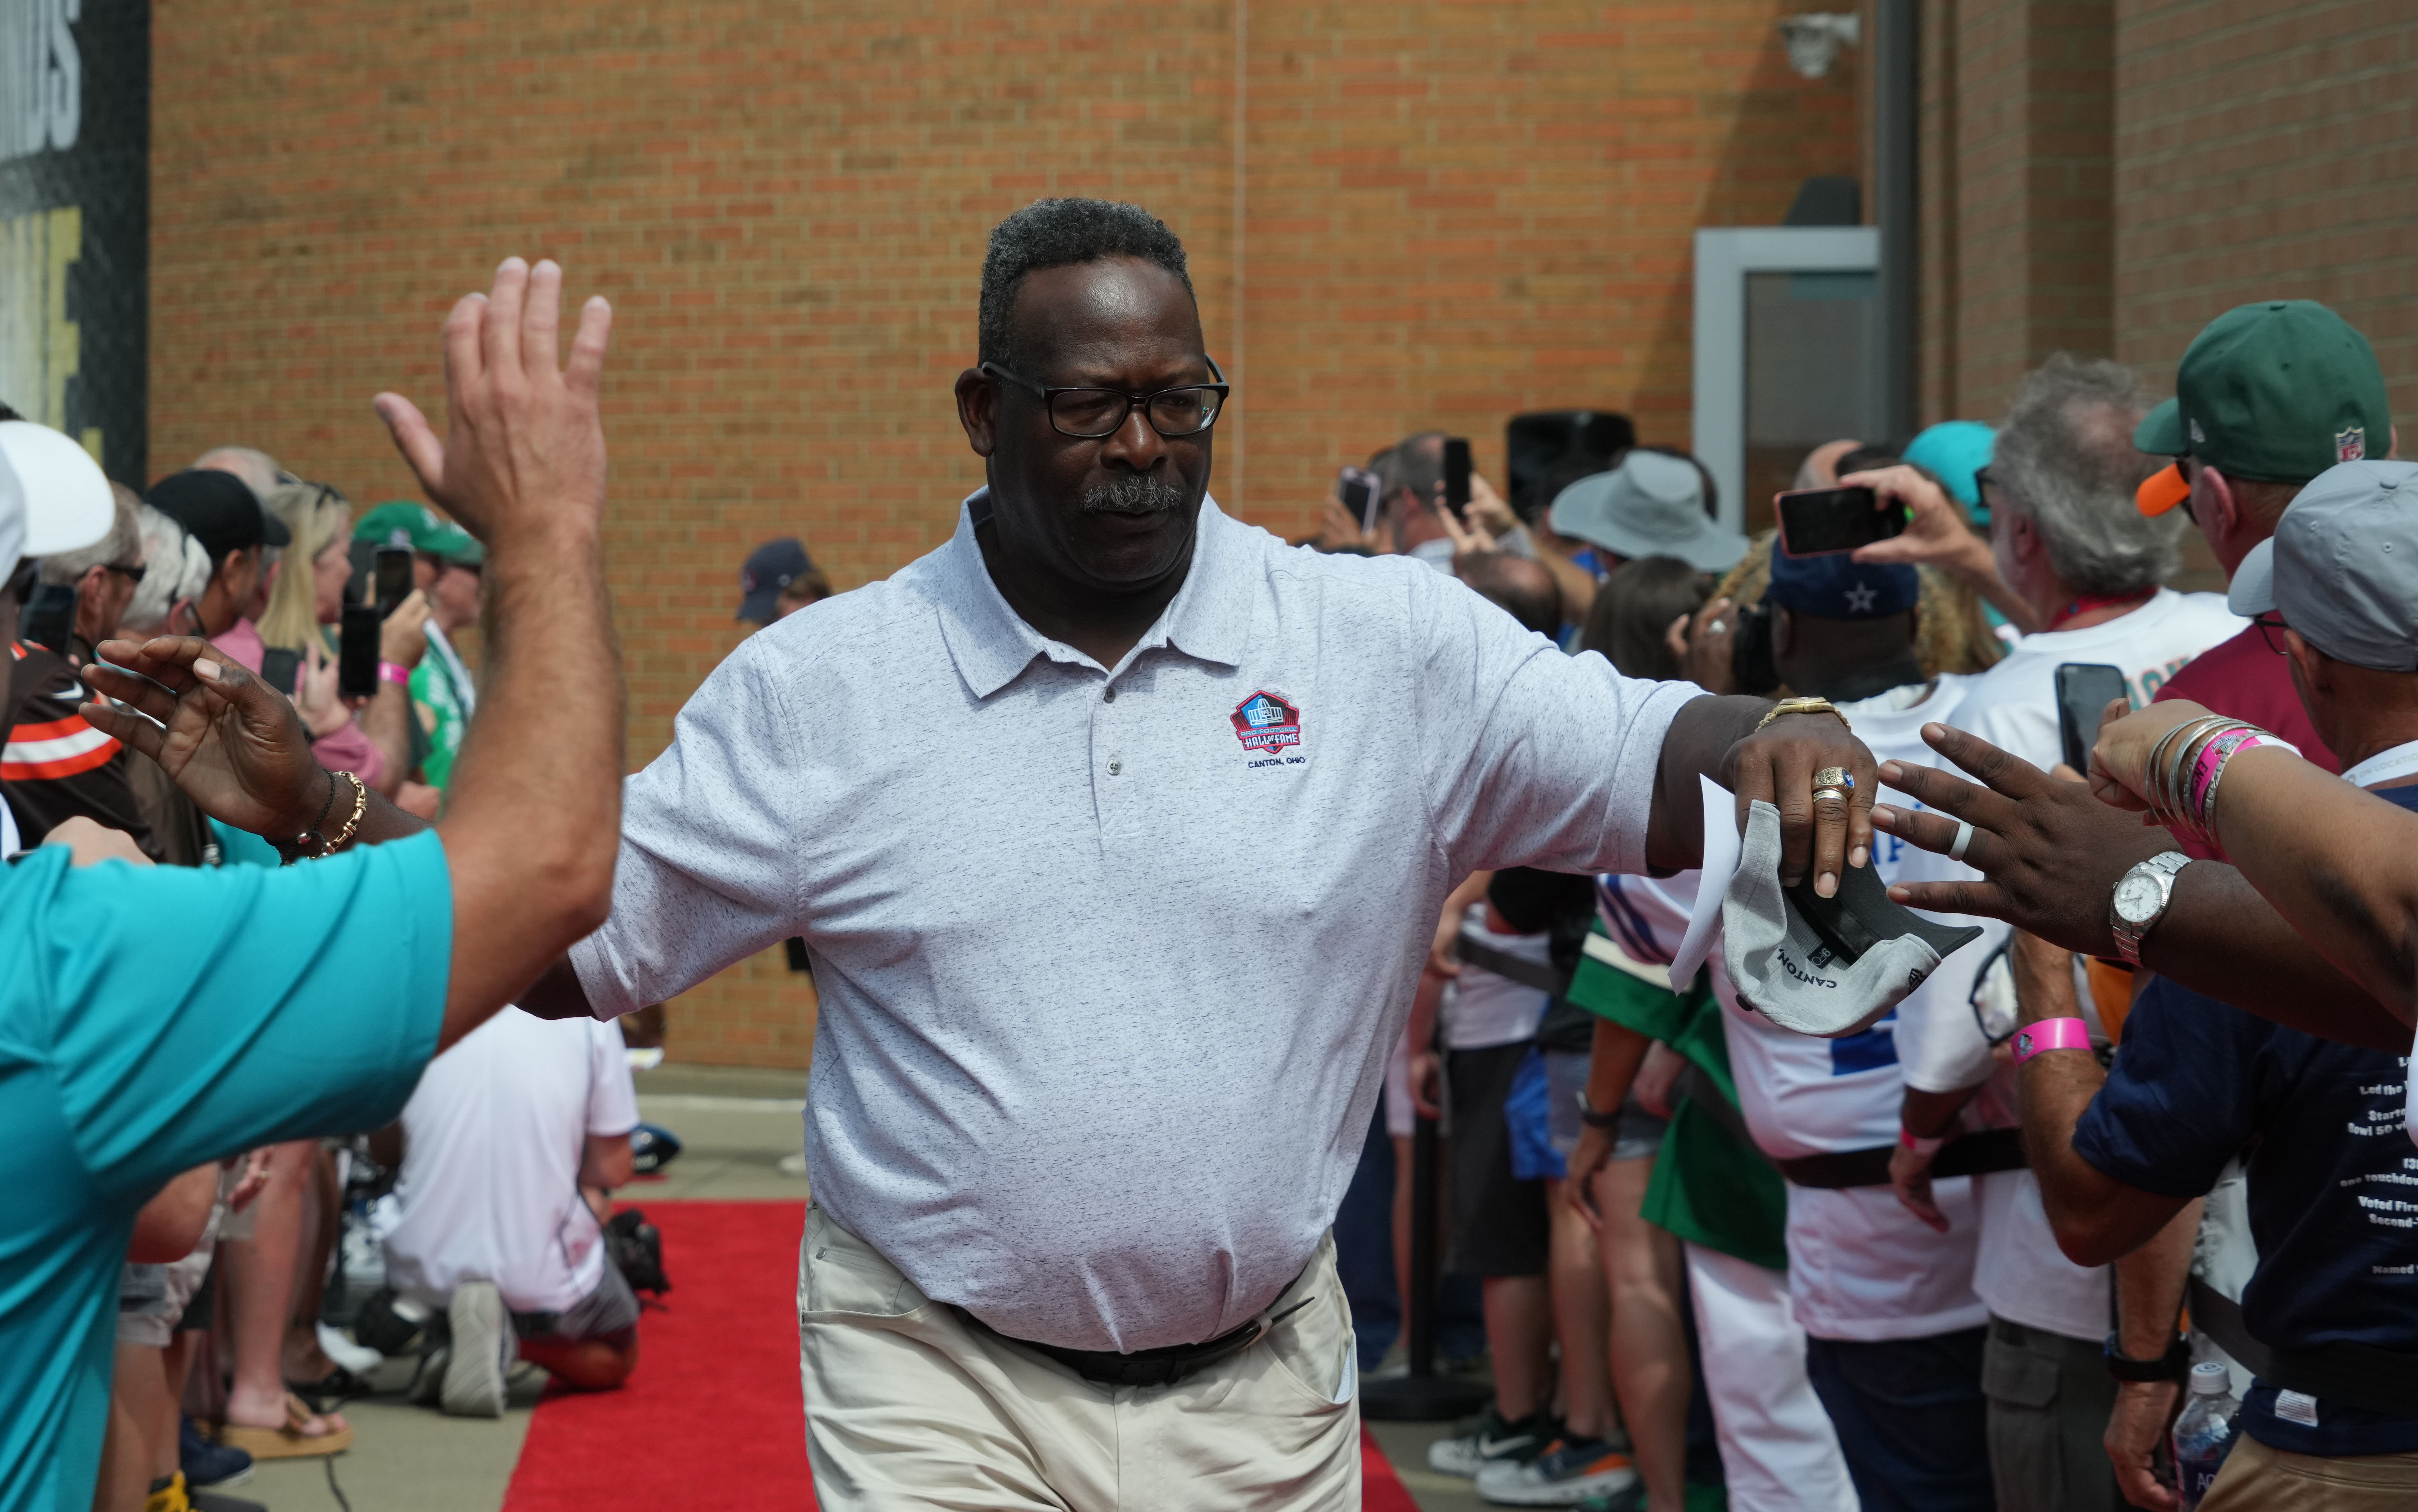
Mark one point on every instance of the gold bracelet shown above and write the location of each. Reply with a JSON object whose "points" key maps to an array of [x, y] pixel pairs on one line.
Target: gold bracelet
{"points": [[328, 846], [1803, 706]]}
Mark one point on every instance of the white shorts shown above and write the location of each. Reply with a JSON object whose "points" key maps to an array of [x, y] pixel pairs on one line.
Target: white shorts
{"points": [[910, 1405], [1779, 1451]]}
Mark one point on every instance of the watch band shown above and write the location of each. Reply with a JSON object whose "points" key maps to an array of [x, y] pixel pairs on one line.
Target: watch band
{"points": [[2172, 1365], [2051, 1035], [1594, 1120], [2128, 935]]}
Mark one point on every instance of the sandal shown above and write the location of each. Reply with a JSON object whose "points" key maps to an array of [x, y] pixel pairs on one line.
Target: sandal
{"points": [[331, 1391], [291, 1442]]}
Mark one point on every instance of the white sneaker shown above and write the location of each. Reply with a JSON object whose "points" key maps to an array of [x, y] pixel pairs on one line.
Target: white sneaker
{"points": [[1489, 1440], [484, 1349]]}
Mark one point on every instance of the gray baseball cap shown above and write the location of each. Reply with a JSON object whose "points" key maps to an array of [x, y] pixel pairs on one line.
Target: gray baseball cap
{"points": [[2342, 568], [1651, 505], [1825, 967]]}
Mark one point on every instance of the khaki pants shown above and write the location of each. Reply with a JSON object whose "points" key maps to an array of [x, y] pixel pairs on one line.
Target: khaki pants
{"points": [[2270, 1480], [908, 1406]]}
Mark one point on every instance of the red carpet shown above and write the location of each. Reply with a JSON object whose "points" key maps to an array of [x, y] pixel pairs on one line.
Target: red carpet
{"points": [[712, 1417]]}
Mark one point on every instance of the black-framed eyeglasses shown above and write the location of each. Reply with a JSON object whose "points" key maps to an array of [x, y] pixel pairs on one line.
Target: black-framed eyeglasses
{"points": [[2270, 629], [1983, 484], [133, 575], [1090, 413]]}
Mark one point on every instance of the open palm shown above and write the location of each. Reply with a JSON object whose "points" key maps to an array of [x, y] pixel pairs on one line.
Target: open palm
{"points": [[232, 743]]}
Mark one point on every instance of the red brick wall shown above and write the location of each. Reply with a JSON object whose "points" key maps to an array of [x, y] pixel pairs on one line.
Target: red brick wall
{"points": [[2018, 228], [1451, 212], [2267, 150]]}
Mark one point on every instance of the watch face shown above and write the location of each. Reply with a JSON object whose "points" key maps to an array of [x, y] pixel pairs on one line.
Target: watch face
{"points": [[2138, 897]]}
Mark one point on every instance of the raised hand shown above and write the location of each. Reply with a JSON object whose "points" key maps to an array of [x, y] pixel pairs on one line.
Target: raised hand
{"points": [[2049, 853], [524, 448], [404, 634], [2120, 759], [231, 741]]}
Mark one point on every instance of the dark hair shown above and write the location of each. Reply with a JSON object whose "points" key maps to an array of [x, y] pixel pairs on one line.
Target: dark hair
{"points": [[1704, 475], [1865, 458], [1063, 233], [1522, 586], [1634, 606], [9, 414]]}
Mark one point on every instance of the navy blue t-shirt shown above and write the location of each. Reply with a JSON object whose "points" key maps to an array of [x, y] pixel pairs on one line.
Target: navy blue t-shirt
{"points": [[2333, 1180]]}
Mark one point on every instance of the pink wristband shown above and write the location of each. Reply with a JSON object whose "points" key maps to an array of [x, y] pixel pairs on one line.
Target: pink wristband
{"points": [[2051, 1035], [394, 672], [2211, 756], [1908, 1140]]}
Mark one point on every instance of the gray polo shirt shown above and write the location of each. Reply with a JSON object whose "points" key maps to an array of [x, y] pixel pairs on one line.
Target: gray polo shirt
{"points": [[1111, 960]]}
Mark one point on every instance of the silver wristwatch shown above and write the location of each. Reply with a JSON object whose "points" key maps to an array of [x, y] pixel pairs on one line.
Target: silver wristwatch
{"points": [[2140, 900]]}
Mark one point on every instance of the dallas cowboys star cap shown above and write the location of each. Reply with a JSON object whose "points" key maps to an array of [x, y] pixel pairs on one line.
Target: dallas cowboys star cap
{"points": [[1825, 967], [1834, 586]]}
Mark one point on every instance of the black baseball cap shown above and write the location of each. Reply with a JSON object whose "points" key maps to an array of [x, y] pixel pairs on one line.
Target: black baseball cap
{"points": [[219, 510], [771, 568]]}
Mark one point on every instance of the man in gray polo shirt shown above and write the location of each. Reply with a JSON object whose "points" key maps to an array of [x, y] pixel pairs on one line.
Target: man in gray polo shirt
{"points": [[1114, 827]]}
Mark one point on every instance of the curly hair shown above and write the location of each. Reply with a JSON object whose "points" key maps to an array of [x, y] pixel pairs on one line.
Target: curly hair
{"points": [[1063, 233]]}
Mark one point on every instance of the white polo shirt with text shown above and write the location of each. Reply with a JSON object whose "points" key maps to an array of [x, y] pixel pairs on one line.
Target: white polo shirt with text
{"points": [[1109, 959]]}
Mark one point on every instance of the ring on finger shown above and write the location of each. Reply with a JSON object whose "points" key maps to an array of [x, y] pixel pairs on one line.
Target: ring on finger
{"points": [[1719, 627], [1835, 777], [1831, 793], [1963, 838]]}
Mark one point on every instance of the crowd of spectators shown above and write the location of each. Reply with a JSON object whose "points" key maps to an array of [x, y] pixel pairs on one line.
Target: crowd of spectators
{"points": [[1896, 1299], [2147, 1127]]}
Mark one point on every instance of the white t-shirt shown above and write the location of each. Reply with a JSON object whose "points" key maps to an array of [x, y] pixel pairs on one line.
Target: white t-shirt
{"points": [[1860, 1265], [1481, 1008], [1111, 958], [493, 1138], [2021, 1272]]}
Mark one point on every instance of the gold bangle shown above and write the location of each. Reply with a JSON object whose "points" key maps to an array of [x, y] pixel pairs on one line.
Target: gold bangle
{"points": [[1802, 706], [330, 845]]}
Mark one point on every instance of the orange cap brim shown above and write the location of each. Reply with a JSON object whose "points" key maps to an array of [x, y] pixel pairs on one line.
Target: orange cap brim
{"points": [[2161, 490]]}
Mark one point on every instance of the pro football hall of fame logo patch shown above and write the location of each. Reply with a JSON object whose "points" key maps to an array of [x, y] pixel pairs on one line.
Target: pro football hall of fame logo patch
{"points": [[1267, 725]]}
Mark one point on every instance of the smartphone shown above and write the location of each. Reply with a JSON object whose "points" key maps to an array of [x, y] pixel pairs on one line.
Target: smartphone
{"points": [[356, 656], [47, 619], [2084, 691], [281, 669], [391, 578], [1456, 473], [1819, 522], [1358, 490]]}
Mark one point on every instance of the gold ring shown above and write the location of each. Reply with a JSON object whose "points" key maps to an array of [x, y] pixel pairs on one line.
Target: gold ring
{"points": [[1834, 777], [1831, 793]]}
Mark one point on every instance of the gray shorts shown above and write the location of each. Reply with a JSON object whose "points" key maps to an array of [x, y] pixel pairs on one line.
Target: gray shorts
{"points": [[1640, 1134], [609, 1313]]}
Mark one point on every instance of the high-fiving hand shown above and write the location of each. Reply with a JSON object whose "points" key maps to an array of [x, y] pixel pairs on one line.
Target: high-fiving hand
{"points": [[229, 740]]}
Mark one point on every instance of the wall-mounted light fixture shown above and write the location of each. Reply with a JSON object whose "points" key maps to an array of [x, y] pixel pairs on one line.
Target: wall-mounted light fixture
{"points": [[1815, 38]]}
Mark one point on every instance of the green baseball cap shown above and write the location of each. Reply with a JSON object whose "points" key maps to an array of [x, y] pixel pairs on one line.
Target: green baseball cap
{"points": [[403, 523], [2276, 392]]}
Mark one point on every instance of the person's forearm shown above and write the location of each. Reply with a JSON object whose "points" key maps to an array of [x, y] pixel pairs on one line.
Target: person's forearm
{"points": [[171, 1224], [1613, 1061], [386, 722], [2220, 939], [1698, 743], [2150, 1286], [533, 813], [1930, 1115], [2339, 864], [2097, 1219]]}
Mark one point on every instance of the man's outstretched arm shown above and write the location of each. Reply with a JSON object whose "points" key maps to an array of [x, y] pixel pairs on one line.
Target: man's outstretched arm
{"points": [[1726, 739], [532, 827]]}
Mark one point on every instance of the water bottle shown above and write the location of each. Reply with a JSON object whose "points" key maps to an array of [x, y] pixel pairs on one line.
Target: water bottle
{"points": [[2204, 1433]]}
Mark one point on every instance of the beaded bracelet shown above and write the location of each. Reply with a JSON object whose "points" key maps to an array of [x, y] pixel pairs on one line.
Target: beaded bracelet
{"points": [[328, 846]]}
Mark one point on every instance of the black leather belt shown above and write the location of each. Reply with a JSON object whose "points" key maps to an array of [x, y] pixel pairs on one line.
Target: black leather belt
{"points": [[1978, 1153], [1162, 1366]]}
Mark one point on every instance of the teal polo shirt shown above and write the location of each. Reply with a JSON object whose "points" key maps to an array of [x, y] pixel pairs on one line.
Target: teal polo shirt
{"points": [[152, 1019]]}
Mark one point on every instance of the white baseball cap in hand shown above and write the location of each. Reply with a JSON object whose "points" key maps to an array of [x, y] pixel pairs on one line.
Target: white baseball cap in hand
{"points": [[1819, 966], [53, 497]]}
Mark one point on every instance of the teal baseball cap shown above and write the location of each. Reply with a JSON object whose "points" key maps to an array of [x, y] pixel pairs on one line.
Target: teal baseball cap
{"points": [[2276, 392], [1952, 452]]}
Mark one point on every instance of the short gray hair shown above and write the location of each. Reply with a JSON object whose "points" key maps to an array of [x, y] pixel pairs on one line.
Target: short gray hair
{"points": [[257, 468], [2064, 458], [1063, 233], [177, 567], [124, 538]]}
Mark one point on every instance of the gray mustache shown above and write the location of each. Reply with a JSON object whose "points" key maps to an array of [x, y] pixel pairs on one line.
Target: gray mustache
{"points": [[1135, 492]]}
